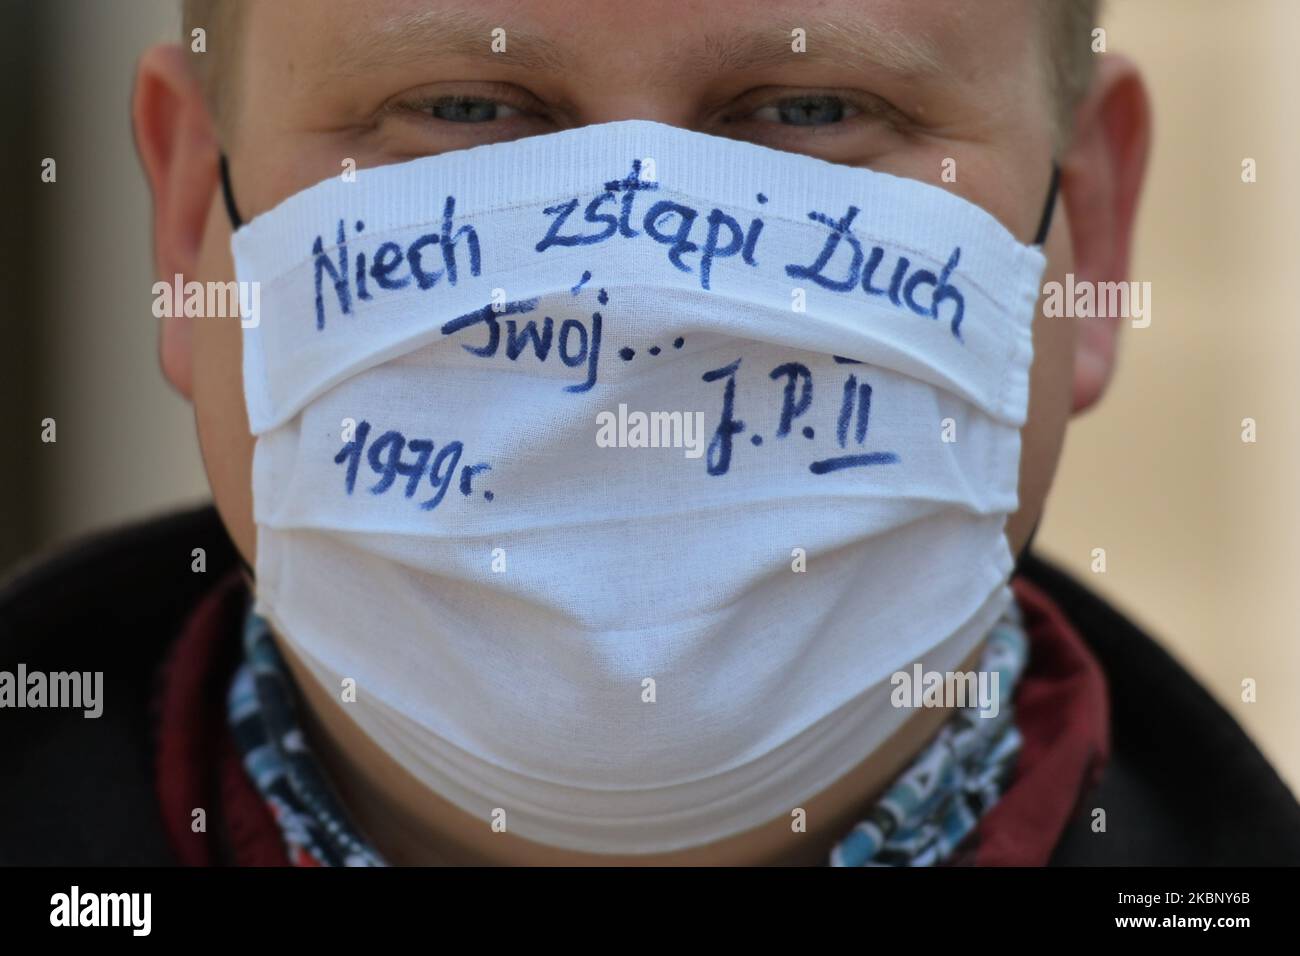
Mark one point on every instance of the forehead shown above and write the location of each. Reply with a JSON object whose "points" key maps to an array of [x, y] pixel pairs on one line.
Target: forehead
{"points": [[649, 40]]}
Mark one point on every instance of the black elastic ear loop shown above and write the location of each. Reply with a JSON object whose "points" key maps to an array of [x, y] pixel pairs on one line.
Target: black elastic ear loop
{"points": [[228, 193], [1045, 223], [1043, 226]]}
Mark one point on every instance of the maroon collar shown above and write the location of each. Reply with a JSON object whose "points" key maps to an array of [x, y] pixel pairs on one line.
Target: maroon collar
{"points": [[197, 765], [1063, 715], [1061, 712]]}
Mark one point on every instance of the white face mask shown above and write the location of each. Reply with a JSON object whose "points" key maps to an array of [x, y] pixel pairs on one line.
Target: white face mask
{"points": [[633, 648]]}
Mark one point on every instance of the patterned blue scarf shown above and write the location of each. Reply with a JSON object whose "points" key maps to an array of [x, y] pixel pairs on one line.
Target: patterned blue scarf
{"points": [[923, 816]]}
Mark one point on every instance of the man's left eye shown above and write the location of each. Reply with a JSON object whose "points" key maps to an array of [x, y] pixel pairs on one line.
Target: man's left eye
{"points": [[469, 109], [807, 111]]}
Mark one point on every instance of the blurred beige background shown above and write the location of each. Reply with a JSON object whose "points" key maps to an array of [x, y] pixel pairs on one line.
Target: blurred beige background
{"points": [[1201, 531]]}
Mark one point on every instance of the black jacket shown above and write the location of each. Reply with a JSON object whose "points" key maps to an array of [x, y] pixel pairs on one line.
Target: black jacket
{"points": [[1184, 785]]}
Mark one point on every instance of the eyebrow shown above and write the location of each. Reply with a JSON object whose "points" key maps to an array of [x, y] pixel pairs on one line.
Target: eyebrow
{"points": [[860, 43], [417, 36]]}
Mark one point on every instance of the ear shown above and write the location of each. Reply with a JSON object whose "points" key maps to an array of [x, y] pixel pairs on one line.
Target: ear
{"points": [[177, 144], [1102, 174]]}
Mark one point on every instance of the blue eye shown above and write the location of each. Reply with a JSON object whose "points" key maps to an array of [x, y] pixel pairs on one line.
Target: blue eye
{"points": [[807, 111], [469, 109]]}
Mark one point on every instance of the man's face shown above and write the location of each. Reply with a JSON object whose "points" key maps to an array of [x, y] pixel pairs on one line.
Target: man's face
{"points": [[899, 86]]}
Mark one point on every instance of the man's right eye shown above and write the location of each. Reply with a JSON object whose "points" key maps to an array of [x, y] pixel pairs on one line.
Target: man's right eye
{"points": [[468, 109], [446, 116], [808, 111]]}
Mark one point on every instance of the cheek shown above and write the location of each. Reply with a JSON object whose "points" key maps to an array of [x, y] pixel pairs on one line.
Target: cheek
{"points": [[1050, 389], [223, 428], [219, 413]]}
